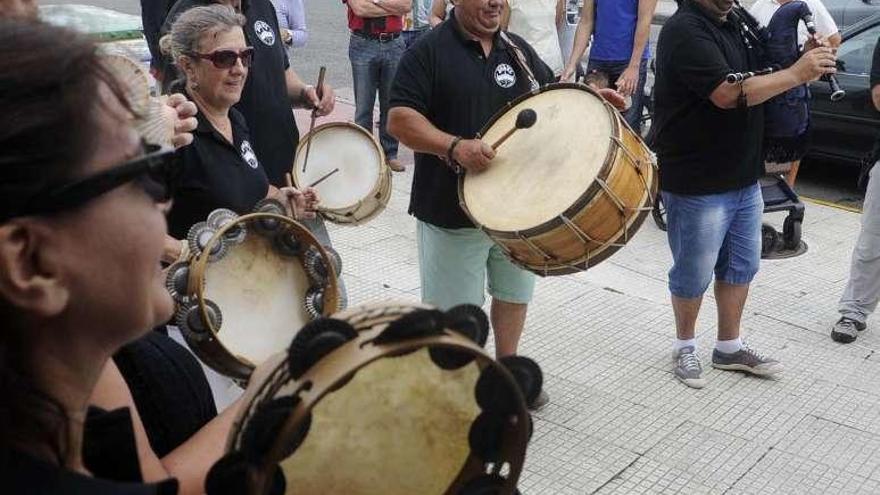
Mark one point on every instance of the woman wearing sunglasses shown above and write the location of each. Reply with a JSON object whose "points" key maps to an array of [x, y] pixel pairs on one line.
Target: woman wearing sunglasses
{"points": [[220, 168], [176, 423], [82, 217]]}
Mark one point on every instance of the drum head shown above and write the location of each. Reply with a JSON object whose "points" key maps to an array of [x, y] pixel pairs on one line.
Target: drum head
{"points": [[399, 427], [260, 293], [540, 172], [346, 147]]}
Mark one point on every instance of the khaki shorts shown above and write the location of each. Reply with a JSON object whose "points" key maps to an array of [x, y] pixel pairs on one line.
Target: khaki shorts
{"points": [[454, 263]]}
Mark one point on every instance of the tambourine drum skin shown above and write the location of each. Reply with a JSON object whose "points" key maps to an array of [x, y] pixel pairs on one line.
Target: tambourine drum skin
{"points": [[401, 407], [251, 284], [568, 192], [361, 188]]}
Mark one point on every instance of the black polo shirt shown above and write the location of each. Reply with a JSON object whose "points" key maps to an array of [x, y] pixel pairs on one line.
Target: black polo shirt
{"points": [[446, 78], [216, 174], [153, 13], [264, 103], [109, 452], [703, 149]]}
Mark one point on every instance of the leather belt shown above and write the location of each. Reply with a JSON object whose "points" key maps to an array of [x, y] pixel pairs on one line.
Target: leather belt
{"points": [[380, 37]]}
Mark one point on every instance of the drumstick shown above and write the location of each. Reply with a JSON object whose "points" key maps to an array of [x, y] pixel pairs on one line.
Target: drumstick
{"points": [[524, 119], [319, 91], [324, 177], [289, 180]]}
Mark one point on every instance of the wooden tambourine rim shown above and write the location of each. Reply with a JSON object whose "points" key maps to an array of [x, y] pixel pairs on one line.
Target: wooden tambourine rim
{"points": [[200, 263], [338, 366], [345, 216]]}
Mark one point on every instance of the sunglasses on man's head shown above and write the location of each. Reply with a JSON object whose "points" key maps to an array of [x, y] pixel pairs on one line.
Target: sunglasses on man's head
{"points": [[154, 172], [225, 59]]}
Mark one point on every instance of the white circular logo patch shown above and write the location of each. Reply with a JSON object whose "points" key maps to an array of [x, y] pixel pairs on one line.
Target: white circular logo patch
{"points": [[505, 76], [247, 153], [264, 32]]}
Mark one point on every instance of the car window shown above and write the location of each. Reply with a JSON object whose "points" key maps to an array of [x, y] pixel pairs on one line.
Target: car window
{"points": [[854, 55]]}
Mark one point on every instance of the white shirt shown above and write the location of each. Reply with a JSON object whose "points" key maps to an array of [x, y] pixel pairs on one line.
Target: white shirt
{"points": [[763, 11], [535, 21]]}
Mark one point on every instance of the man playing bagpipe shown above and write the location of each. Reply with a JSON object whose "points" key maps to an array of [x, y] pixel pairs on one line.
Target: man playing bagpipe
{"points": [[709, 141]]}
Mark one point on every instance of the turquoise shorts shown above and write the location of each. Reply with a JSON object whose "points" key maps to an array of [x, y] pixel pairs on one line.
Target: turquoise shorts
{"points": [[453, 264]]}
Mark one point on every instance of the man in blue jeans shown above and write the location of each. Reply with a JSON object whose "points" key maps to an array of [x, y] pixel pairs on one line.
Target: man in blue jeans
{"points": [[416, 22], [375, 49], [620, 31], [708, 143]]}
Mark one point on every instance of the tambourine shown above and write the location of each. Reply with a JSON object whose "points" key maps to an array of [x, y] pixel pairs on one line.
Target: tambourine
{"points": [[249, 284], [393, 399]]}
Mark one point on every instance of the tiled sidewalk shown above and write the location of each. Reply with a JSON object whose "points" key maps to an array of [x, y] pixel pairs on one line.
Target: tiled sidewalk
{"points": [[618, 422]]}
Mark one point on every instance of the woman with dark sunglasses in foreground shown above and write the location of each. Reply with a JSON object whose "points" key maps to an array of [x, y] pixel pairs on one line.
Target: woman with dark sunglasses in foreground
{"points": [[82, 232], [176, 421]]}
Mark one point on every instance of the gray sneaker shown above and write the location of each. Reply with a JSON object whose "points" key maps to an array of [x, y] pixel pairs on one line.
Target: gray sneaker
{"points": [[686, 367], [846, 330], [746, 359]]}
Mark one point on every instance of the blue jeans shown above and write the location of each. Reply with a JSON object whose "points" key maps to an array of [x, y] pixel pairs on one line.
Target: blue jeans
{"points": [[614, 69], [713, 232], [410, 37], [373, 65]]}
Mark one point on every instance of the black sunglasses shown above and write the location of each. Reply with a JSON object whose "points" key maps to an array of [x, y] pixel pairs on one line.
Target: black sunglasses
{"points": [[155, 172], [225, 59]]}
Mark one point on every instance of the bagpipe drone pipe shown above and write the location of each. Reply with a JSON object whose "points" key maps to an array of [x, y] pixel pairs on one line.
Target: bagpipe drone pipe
{"points": [[787, 116]]}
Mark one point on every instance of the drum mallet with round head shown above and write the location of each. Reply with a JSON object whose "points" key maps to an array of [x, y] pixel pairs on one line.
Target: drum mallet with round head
{"points": [[524, 119]]}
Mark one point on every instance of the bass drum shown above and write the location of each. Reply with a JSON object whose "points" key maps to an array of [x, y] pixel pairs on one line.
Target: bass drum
{"points": [[566, 193]]}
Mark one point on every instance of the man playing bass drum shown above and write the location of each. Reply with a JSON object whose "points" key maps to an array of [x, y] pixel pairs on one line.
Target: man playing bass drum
{"points": [[708, 142]]}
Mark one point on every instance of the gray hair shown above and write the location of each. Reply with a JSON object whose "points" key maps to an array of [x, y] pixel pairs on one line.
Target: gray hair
{"points": [[191, 27]]}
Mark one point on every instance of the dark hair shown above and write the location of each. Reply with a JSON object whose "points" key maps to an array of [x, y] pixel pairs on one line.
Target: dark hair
{"points": [[49, 100]]}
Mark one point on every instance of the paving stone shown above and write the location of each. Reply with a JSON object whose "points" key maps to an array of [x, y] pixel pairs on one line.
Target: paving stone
{"points": [[563, 461], [784, 473], [648, 476], [713, 458], [833, 444]]}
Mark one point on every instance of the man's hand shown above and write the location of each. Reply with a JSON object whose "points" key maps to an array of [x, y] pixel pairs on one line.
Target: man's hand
{"points": [[299, 204], [814, 64], [815, 41], [616, 99], [182, 112], [286, 36], [568, 74], [628, 80], [324, 105], [473, 154]]}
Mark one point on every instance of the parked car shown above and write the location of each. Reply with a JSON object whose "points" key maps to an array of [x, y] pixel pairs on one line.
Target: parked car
{"points": [[844, 131], [848, 12]]}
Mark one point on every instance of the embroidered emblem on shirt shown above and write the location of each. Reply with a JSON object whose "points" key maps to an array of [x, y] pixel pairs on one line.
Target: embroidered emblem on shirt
{"points": [[505, 76], [264, 32], [247, 153]]}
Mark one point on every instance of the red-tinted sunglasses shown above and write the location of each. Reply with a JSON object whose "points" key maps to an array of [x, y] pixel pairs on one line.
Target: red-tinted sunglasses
{"points": [[225, 59]]}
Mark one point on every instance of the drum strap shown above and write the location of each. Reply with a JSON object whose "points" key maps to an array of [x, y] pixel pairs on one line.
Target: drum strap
{"points": [[520, 58]]}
